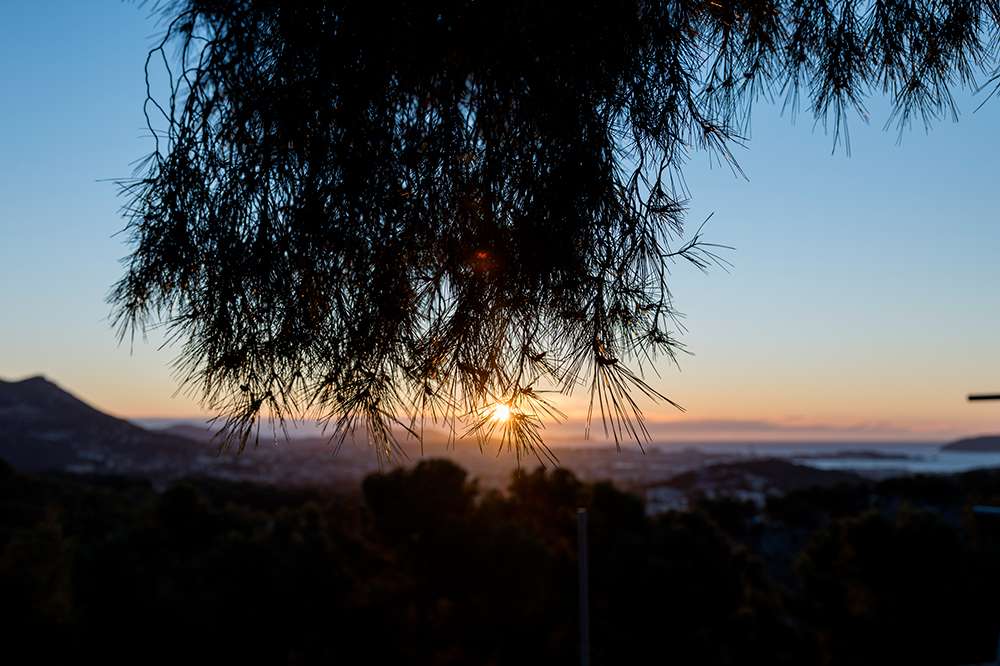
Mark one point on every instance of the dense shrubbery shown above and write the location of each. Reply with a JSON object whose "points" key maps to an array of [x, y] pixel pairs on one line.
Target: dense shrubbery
{"points": [[427, 569]]}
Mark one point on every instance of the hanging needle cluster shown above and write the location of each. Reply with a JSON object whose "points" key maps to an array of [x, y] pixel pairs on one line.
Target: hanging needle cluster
{"points": [[393, 214]]}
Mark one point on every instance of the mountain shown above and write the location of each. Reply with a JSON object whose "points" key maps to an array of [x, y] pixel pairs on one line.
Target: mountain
{"points": [[195, 433], [762, 477], [43, 428], [981, 444]]}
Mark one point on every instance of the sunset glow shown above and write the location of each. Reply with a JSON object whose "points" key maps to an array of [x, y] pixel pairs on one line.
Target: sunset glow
{"points": [[501, 413]]}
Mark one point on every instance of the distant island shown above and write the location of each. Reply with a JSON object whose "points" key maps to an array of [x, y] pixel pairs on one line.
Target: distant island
{"points": [[981, 444], [856, 455]]}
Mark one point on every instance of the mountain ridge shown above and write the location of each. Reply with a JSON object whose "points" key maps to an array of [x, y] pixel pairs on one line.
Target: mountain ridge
{"points": [[977, 444], [44, 427]]}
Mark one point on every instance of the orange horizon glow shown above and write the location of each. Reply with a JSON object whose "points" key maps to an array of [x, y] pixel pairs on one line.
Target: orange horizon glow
{"points": [[918, 414]]}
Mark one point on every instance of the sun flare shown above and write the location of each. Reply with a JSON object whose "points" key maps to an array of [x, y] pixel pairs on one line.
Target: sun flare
{"points": [[501, 413]]}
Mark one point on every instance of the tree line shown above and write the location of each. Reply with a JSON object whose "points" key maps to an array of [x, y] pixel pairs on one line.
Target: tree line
{"points": [[423, 567]]}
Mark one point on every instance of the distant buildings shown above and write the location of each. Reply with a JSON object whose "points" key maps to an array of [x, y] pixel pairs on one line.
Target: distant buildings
{"points": [[661, 498]]}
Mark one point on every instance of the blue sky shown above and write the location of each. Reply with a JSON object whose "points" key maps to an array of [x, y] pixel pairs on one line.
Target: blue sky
{"points": [[862, 304]]}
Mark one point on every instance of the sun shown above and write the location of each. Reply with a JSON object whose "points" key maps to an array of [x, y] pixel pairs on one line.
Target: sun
{"points": [[501, 413]]}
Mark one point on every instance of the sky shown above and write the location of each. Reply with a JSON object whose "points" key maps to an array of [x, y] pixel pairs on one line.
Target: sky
{"points": [[862, 303]]}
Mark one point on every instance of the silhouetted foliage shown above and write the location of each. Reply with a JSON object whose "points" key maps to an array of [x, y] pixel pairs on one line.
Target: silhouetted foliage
{"points": [[426, 569], [419, 209], [870, 580]]}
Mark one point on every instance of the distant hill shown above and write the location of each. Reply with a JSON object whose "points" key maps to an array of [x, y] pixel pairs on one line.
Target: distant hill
{"points": [[981, 444], [187, 431], [763, 475], [44, 428]]}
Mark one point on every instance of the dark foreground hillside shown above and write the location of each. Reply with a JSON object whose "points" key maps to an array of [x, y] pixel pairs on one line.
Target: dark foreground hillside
{"points": [[425, 569]]}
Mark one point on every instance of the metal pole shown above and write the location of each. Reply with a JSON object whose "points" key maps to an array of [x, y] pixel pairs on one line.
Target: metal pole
{"points": [[582, 557], [984, 396]]}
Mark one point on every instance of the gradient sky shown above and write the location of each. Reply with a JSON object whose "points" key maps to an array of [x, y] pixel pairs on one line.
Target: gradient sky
{"points": [[863, 303]]}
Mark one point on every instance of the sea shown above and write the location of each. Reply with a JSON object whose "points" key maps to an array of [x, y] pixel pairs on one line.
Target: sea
{"points": [[871, 457]]}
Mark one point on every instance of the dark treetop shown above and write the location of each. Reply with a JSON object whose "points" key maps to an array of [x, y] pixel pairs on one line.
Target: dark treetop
{"points": [[390, 212]]}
